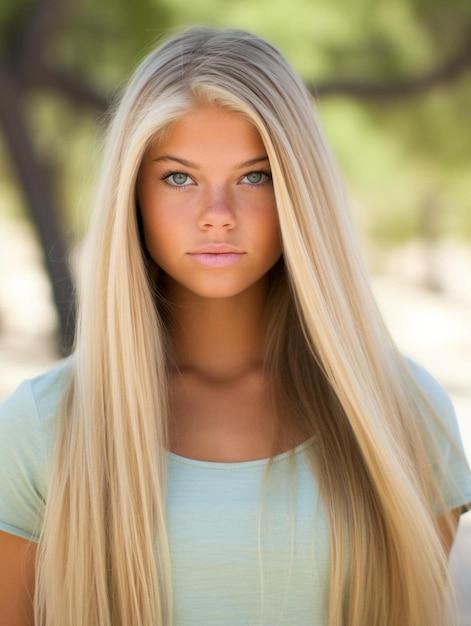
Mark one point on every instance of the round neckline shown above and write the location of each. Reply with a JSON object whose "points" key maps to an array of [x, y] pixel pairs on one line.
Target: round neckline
{"points": [[232, 465]]}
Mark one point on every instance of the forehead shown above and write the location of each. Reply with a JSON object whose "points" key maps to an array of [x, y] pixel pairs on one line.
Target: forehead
{"points": [[211, 129]]}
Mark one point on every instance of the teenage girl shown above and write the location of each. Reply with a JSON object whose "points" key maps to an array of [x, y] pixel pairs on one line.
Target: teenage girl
{"points": [[236, 439]]}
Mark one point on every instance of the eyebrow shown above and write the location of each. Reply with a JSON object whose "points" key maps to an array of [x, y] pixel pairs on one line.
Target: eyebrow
{"points": [[169, 157]]}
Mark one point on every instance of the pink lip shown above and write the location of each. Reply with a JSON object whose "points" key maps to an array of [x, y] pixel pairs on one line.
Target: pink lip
{"points": [[217, 248], [216, 255], [216, 259]]}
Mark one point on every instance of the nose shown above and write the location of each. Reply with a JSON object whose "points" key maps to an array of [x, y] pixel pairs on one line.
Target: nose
{"points": [[217, 211]]}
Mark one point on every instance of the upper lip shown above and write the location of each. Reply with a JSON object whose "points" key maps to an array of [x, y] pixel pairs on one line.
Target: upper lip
{"points": [[217, 248]]}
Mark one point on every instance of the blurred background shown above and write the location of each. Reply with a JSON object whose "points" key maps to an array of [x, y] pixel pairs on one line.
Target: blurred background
{"points": [[392, 81]]}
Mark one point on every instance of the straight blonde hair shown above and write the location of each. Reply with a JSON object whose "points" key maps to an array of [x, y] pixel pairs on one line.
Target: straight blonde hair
{"points": [[104, 558]]}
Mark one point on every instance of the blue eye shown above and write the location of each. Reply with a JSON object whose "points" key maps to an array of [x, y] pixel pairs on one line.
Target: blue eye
{"points": [[256, 178], [177, 179]]}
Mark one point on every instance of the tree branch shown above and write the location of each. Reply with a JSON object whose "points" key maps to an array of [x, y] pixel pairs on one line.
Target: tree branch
{"points": [[36, 32], [390, 90], [71, 86], [79, 93]]}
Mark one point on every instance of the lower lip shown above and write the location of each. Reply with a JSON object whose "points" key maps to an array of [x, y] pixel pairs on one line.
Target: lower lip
{"points": [[223, 259]]}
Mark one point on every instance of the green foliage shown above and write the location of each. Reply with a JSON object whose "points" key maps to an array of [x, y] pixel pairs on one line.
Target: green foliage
{"points": [[10, 198], [105, 39], [12, 15]]}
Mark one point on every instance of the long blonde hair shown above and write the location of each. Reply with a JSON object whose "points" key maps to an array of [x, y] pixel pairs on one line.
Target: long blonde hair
{"points": [[104, 558]]}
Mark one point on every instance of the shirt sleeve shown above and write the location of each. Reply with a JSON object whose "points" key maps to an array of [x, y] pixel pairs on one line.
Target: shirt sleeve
{"points": [[451, 467], [22, 465]]}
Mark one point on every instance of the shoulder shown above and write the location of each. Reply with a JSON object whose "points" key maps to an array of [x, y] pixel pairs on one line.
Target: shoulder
{"points": [[448, 458], [434, 392], [33, 405], [440, 422], [28, 421]]}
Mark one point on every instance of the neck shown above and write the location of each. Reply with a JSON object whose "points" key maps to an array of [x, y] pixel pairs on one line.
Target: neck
{"points": [[219, 339]]}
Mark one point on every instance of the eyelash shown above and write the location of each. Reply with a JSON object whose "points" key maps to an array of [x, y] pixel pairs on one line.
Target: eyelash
{"points": [[266, 173]]}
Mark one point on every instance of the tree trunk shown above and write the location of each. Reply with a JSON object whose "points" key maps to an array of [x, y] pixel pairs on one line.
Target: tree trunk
{"points": [[36, 181]]}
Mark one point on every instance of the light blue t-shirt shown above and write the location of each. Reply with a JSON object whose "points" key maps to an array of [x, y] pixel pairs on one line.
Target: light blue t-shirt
{"points": [[244, 550]]}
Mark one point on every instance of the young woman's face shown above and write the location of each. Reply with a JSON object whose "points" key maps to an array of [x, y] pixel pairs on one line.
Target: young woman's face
{"points": [[207, 204]]}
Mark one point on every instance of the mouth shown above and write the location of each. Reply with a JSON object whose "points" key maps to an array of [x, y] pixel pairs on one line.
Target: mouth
{"points": [[217, 255], [217, 248]]}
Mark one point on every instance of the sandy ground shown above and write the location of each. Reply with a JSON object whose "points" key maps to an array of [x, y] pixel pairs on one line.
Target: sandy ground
{"points": [[433, 328]]}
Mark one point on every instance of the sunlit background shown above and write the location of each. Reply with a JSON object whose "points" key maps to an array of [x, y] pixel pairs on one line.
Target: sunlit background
{"points": [[394, 94]]}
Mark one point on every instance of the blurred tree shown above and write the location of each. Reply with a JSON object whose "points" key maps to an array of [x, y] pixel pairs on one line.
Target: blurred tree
{"points": [[60, 61], [70, 50]]}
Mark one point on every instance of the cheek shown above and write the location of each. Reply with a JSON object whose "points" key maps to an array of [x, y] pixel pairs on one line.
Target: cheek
{"points": [[156, 245], [165, 237], [271, 227], [153, 227]]}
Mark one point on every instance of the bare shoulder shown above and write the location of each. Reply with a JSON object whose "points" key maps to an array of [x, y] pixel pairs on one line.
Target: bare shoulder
{"points": [[17, 564]]}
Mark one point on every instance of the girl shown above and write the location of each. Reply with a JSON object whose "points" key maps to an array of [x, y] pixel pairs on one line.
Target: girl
{"points": [[236, 439]]}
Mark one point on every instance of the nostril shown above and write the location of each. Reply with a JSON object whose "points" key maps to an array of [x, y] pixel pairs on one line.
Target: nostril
{"points": [[218, 213]]}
